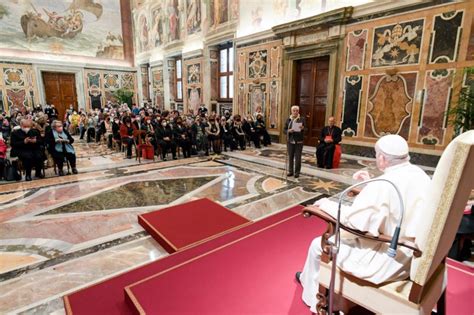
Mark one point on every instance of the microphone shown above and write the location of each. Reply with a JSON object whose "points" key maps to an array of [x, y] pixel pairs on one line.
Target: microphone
{"points": [[392, 250]]}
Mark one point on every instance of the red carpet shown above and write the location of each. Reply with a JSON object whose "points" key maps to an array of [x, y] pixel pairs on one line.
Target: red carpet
{"points": [[460, 289], [186, 224], [107, 297], [252, 275]]}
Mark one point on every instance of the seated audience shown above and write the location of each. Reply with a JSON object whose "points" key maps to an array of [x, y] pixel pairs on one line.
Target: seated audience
{"points": [[238, 132], [59, 142], [226, 134], [261, 130], [213, 135], [27, 144], [3, 155], [249, 129], [126, 135], [165, 139], [184, 137]]}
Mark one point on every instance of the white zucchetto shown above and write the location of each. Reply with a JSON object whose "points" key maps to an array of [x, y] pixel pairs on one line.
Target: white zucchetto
{"points": [[393, 145]]}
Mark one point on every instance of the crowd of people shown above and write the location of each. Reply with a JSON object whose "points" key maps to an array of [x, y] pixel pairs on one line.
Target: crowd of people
{"points": [[36, 134], [33, 137]]}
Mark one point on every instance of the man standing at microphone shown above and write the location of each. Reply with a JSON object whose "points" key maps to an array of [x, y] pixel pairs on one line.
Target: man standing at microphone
{"points": [[294, 127]]}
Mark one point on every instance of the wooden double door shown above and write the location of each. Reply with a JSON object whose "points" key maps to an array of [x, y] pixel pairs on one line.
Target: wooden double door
{"points": [[311, 95], [60, 90]]}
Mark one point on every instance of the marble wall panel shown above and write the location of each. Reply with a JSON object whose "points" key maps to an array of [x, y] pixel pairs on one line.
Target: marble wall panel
{"points": [[100, 86], [145, 82], [438, 87], [192, 80], [397, 44], [257, 97], [257, 64], [355, 50], [446, 34], [352, 98], [470, 47], [158, 87], [390, 104], [18, 86], [405, 82], [259, 81]]}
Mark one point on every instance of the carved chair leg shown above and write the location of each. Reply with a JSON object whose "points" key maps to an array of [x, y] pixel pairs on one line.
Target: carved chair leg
{"points": [[441, 304], [322, 296]]}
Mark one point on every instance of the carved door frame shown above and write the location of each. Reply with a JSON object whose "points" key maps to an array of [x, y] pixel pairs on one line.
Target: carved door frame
{"points": [[290, 56]]}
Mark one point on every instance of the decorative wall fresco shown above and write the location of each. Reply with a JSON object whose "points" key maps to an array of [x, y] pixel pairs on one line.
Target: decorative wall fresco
{"points": [[438, 87], [356, 46], [352, 98], [158, 87], [259, 81], [100, 86], [445, 37], [76, 27], [18, 87], [397, 44]]}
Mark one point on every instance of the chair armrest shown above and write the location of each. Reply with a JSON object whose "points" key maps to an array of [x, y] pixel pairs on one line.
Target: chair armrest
{"points": [[316, 211]]}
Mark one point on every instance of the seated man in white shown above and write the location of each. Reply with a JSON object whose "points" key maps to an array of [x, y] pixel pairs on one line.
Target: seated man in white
{"points": [[375, 210]]}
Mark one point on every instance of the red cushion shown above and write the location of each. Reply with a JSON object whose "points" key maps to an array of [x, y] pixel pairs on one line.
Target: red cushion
{"points": [[337, 156]]}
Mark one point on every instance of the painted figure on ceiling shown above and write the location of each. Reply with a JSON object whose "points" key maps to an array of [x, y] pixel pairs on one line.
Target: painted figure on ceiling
{"points": [[157, 28], [143, 33], [173, 20], [193, 22]]}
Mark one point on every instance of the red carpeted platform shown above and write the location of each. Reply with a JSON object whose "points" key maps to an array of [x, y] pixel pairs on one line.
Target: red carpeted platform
{"points": [[189, 223], [107, 297], [460, 288], [250, 275]]}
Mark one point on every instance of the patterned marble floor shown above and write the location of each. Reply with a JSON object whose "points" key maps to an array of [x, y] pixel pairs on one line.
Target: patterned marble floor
{"points": [[62, 233]]}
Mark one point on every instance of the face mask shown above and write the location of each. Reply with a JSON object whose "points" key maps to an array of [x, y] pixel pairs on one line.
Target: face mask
{"points": [[164, 124], [116, 121], [25, 130]]}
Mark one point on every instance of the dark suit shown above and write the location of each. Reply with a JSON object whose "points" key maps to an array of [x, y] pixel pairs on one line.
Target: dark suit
{"points": [[325, 151], [294, 145], [30, 154]]}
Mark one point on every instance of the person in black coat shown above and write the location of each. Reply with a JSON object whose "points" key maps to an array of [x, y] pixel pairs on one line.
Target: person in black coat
{"points": [[330, 136], [183, 136], [294, 129], [248, 127], [238, 132], [226, 134], [261, 130], [28, 145], [59, 142], [165, 139]]}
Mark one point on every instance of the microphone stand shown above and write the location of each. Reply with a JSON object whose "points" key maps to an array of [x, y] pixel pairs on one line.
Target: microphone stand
{"points": [[392, 250]]}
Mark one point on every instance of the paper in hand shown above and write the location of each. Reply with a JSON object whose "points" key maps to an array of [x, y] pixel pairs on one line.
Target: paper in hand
{"points": [[296, 126]]}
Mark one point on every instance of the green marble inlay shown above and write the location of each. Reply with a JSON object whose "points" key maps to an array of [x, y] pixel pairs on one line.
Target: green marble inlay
{"points": [[136, 194]]}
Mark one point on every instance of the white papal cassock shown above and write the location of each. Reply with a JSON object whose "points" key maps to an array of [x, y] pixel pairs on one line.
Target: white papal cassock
{"points": [[375, 210]]}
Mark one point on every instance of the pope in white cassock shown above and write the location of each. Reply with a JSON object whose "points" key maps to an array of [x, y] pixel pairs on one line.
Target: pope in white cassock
{"points": [[375, 210]]}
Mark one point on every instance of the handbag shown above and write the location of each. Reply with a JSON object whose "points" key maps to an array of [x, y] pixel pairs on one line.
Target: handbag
{"points": [[11, 171]]}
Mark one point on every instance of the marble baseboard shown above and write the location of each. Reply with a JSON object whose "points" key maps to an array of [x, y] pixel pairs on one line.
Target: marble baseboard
{"points": [[415, 158]]}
